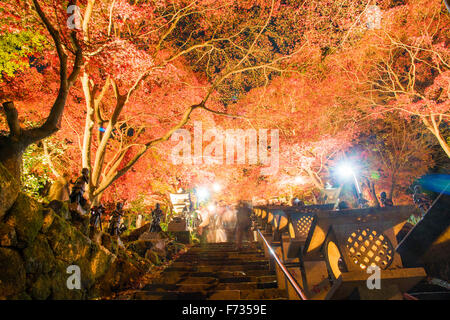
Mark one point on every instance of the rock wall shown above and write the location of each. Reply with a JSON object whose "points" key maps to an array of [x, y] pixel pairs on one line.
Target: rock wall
{"points": [[38, 244]]}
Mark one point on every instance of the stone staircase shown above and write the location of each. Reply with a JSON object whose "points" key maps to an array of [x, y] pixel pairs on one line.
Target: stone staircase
{"points": [[214, 271]]}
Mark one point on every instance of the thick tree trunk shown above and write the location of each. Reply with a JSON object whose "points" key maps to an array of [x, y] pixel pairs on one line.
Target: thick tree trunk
{"points": [[391, 190], [11, 156], [95, 200]]}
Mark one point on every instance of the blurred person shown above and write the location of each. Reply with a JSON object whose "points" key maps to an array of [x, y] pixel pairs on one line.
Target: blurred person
{"points": [[243, 224], [213, 225]]}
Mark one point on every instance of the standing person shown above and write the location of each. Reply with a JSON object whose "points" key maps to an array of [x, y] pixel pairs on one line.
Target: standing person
{"points": [[243, 223], [138, 221], [96, 216], [60, 189], [116, 219], [204, 217], [79, 187], [385, 202], [219, 230], [422, 202], [156, 219]]}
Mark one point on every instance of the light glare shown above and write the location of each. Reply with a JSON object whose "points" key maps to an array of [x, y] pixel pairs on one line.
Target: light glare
{"points": [[202, 193]]}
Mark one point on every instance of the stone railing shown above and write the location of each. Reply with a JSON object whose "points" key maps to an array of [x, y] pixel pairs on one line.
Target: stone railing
{"points": [[329, 252]]}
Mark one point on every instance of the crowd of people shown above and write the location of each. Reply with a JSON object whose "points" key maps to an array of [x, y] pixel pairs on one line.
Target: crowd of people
{"points": [[220, 221]]}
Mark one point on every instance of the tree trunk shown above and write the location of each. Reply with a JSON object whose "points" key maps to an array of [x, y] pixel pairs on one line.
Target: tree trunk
{"points": [[442, 143], [314, 198], [315, 179], [373, 192], [11, 153], [434, 128], [391, 190]]}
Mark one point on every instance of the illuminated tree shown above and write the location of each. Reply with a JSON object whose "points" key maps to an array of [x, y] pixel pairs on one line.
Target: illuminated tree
{"points": [[13, 145]]}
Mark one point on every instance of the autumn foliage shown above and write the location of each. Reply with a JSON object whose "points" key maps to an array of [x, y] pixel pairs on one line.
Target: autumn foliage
{"points": [[334, 85]]}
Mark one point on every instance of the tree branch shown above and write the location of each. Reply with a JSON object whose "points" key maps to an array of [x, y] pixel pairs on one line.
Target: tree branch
{"points": [[12, 118]]}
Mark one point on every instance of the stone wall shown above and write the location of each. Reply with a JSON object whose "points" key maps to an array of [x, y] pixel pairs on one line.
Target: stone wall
{"points": [[38, 244]]}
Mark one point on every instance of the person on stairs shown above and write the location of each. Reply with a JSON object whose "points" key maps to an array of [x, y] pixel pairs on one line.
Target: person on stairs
{"points": [[243, 223]]}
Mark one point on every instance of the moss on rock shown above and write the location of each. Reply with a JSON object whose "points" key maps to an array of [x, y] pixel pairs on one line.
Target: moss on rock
{"points": [[58, 284], [67, 243], [12, 275], [26, 215], [8, 237], [153, 257], [49, 216], [41, 288], [38, 256], [140, 246], [42, 244], [9, 190], [100, 261]]}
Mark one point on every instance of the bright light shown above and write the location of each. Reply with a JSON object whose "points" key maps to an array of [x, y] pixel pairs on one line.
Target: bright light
{"points": [[217, 187], [202, 193], [211, 207], [345, 170], [299, 180]]}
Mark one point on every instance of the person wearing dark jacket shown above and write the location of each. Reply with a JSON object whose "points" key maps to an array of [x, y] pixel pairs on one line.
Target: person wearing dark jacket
{"points": [[243, 223], [156, 219], [79, 188], [385, 201]]}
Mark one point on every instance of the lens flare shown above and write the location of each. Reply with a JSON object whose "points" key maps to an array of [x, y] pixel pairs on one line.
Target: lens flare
{"points": [[436, 182]]}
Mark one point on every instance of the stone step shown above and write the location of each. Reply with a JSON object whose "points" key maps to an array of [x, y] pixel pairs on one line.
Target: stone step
{"points": [[247, 285], [170, 279], [232, 255], [215, 268], [249, 279], [214, 272], [202, 263], [191, 287], [222, 252], [228, 246], [190, 279], [254, 294], [208, 287], [221, 257], [265, 294], [176, 276], [225, 248]]}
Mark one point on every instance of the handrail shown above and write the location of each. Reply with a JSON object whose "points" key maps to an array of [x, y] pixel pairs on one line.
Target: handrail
{"points": [[287, 274], [407, 296]]}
